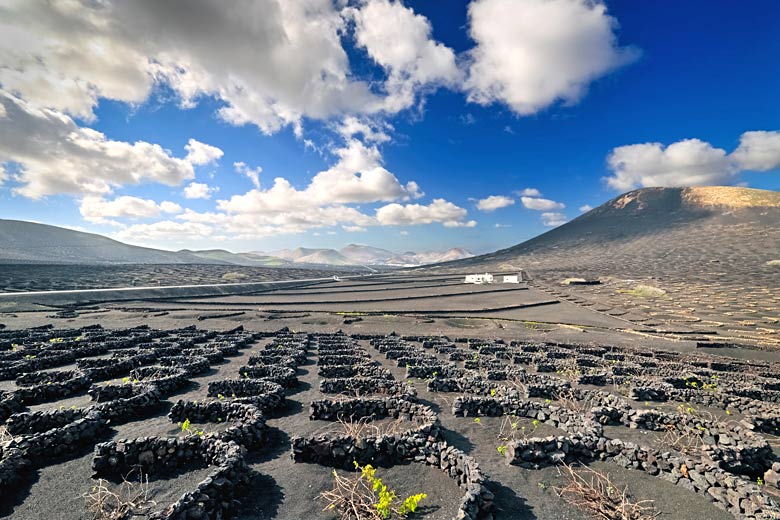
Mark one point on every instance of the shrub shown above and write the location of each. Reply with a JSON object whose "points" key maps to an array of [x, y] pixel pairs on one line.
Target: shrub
{"points": [[365, 496]]}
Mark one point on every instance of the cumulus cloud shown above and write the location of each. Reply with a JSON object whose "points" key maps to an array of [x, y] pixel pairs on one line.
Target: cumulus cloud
{"points": [[199, 190], [691, 162], [758, 151], [540, 204], [399, 40], [271, 62], [532, 53], [201, 153], [358, 176], [439, 210], [530, 192], [99, 211], [585, 208], [371, 131], [253, 174], [494, 202], [165, 232], [54, 155], [553, 219], [353, 229]]}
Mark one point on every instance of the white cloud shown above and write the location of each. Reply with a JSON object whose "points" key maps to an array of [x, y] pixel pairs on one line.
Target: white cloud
{"points": [[553, 219], [358, 176], [540, 204], [494, 202], [253, 174], [353, 229], [585, 208], [281, 209], [201, 153], [400, 42], [199, 190], [98, 210], [758, 151], [530, 192], [270, 61], [57, 156], [372, 131], [166, 231], [532, 53], [690, 162], [439, 210]]}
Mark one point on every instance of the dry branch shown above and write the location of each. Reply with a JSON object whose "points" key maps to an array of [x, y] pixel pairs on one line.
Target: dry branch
{"points": [[594, 492]]}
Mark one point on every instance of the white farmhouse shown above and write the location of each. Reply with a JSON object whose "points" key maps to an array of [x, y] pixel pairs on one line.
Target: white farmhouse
{"points": [[511, 278], [479, 278]]}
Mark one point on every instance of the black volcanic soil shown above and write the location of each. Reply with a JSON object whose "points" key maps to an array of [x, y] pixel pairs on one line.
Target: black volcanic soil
{"points": [[710, 250], [30, 277], [283, 489]]}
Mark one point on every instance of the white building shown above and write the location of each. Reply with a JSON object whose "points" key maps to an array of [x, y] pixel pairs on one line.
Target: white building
{"points": [[511, 278], [479, 278]]}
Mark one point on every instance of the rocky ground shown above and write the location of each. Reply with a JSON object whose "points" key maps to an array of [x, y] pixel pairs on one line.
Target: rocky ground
{"points": [[449, 368], [31, 277]]}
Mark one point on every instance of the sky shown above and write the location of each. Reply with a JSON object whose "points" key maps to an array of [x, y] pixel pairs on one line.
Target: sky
{"points": [[417, 125]]}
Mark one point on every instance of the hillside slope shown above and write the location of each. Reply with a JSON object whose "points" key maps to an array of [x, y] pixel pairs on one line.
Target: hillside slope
{"points": [[657, 230], [28, 242], [671, 257]]}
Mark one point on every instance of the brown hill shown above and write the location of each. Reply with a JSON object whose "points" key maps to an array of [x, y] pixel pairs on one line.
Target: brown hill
{"points": [[713, 251], [657, 230]]}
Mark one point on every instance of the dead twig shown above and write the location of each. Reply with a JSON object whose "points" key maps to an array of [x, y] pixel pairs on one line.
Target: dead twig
{"points": [[352, 498], [594, 492], [129, 500]]}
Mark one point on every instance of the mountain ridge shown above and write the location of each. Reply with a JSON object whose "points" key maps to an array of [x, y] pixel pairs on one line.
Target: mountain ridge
{"points": [[650, 214], [34, 243]]}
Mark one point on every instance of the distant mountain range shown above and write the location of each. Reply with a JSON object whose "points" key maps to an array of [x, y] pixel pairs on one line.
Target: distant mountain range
{"points": [[355, 254], [29, 242]]}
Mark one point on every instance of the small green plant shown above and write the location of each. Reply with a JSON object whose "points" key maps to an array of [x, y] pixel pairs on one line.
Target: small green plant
{"points": [[759, 481], [186, 427], [410, 503], [502, 450], [366, 496]]}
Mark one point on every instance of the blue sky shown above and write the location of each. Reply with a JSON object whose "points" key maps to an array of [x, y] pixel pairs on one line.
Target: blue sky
{"points": [[410, 126]]}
